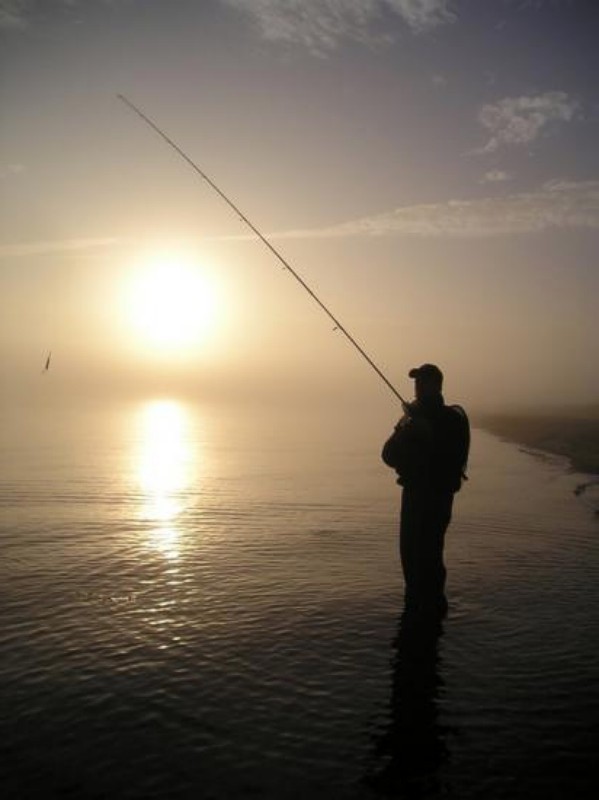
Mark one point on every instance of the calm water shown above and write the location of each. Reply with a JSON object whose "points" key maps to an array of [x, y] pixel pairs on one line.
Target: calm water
{"points": [[206, 603]]}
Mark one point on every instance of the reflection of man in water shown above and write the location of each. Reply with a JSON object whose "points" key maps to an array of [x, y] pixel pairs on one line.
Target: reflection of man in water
{"points": [[411, 749], [428, 449]]}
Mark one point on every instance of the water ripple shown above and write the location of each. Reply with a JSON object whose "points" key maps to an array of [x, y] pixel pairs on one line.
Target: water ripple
{"points": [[245, 640]]}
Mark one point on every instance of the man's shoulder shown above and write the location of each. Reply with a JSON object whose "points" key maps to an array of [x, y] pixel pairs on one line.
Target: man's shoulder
{"points": [[455, 412], [453, 422]]}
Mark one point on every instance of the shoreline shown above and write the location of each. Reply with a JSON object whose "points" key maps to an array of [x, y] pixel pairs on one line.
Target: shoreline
{"points": [[576, 439]]}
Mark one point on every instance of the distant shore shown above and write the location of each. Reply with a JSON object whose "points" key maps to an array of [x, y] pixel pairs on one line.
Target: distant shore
{"points": [[576, 438]]}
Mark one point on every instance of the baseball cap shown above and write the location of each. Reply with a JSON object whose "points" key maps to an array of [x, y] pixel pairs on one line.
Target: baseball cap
{"points": [[427, 371]]}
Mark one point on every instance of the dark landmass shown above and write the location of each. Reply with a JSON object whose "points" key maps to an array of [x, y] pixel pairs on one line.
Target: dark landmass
{"points": [[573, 433]]}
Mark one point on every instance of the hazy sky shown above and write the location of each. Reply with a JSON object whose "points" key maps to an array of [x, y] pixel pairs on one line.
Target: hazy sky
{"points": [[430, 167]]}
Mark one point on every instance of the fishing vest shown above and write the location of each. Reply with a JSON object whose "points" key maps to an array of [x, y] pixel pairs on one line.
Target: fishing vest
{"points": [[430, 446]]}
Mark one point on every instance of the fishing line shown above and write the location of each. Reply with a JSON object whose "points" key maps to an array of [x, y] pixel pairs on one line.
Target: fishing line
{"points": [[338, 325]]}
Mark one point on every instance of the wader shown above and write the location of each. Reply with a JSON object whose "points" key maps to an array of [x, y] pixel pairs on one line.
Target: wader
{"points": [[425, 516]]}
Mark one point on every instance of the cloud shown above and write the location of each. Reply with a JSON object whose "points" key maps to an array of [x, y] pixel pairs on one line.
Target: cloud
{"points": [[495, 176], [557, 205], [50, 247], [11, 169], [320, 25], [520, 120], [19, 14], [421, 15], [13, 14], [317, 24]]}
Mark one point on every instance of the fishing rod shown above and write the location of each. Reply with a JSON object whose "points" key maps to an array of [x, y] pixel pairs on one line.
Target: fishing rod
{"points": [[338, 325]]}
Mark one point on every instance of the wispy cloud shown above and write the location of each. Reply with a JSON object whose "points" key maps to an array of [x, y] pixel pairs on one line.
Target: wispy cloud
{"points": [[520, 120], [52, 247], [320, 25], [11, 169], [555, 205], [421, 15], [495, 176], [19, 14], [13, 14]]}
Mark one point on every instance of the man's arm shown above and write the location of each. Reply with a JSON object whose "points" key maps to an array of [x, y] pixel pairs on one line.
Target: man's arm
{"points": [[391, 453]]}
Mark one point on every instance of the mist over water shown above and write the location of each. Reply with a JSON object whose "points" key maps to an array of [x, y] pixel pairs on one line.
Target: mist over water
{"points": [[202, 601]]}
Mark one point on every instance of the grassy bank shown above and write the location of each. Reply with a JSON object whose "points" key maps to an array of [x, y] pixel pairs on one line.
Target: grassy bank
{"points": [[565, 434]]}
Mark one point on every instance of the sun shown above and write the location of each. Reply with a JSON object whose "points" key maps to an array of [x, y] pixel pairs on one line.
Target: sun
{"points": [[171, 305]]}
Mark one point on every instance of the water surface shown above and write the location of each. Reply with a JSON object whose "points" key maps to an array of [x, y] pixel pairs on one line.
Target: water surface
{"points": [[205, 602]]}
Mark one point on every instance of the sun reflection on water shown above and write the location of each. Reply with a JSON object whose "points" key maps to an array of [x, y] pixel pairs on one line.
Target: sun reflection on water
{"points": [[165, 470]]}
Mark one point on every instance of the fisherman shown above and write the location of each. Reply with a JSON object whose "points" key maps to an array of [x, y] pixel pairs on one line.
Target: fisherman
{"points": [[428, 449]]}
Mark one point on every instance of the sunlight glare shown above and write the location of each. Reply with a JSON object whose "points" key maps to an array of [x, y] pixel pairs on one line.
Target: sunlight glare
{"points": [[171, 305], [165, 471]]}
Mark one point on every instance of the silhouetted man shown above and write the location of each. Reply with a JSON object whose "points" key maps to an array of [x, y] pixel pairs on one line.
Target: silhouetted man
{"points": [[428, 449]]}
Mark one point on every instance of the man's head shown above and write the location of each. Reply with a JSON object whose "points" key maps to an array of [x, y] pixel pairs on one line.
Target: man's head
{"points": [[429, 380]]}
